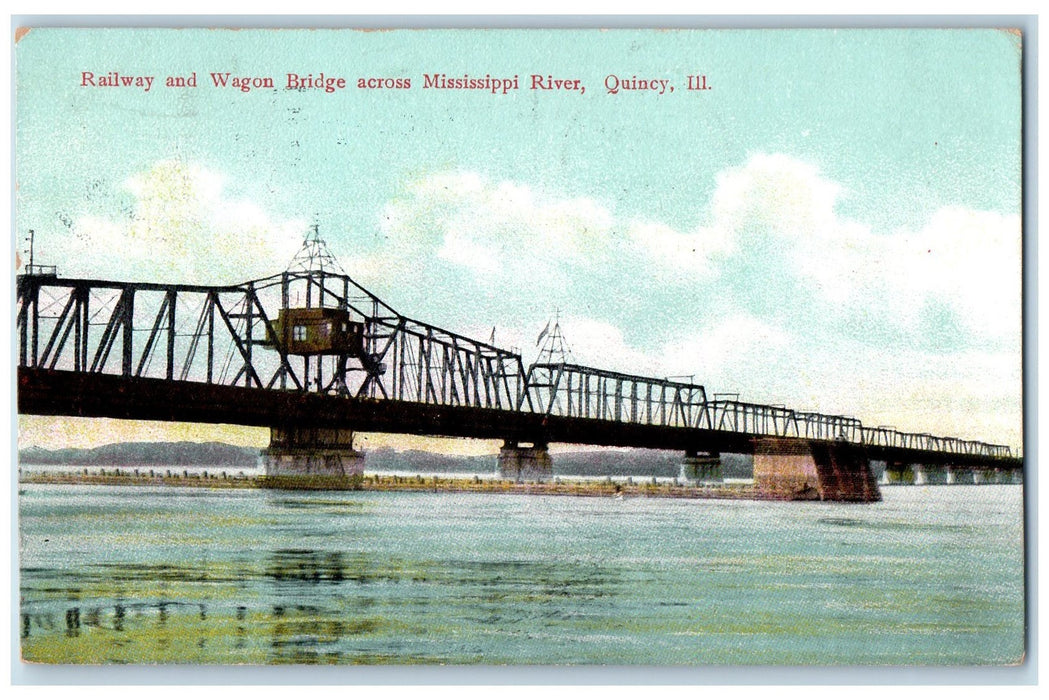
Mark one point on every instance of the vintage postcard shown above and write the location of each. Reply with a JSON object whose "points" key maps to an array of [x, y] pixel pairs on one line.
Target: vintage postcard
{"points": [[684, 347]]}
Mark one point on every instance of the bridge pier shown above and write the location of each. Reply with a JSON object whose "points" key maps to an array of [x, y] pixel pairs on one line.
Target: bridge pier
{"points": [[960, 475], [525, 463], [701, 466], [297, 451], [897, 473], [921, 477], [929, 475], [1008, 476], [988, 476], [813, 470]]}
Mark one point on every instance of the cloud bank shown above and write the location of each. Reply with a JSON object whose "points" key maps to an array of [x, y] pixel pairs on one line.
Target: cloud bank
{"points": [[182, 228]]}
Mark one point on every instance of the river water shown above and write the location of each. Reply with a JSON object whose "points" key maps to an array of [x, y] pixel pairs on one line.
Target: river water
{"points": [[931, 576]]}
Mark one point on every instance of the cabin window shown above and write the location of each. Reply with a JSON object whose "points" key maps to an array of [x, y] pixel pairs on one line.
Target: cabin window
{"points": [[298, 333]]}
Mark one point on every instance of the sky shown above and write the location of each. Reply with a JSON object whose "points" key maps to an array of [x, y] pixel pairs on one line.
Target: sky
{"points": [[834, 225]]}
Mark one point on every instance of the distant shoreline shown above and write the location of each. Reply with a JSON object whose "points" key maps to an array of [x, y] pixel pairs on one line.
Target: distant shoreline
{"points": [[559, 486], [218, 456]]}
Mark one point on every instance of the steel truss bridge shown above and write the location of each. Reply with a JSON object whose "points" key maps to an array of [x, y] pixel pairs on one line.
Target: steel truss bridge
{"points": [[143, 350]]}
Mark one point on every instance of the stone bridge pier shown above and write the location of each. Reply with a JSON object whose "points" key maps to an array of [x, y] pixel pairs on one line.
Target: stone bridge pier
{"points": [[525, 463], [298, 451], [813, 470]]}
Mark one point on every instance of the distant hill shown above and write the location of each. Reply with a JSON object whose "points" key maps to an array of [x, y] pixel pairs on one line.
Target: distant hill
{"points": [[145, 454], [641, 463]]}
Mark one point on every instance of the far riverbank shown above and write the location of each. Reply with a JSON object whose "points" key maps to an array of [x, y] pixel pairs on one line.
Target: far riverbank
{"points": [[559, 486]]}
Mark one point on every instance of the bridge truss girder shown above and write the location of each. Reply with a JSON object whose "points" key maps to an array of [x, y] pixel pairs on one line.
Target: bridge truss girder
{"points": [[226, 336]]}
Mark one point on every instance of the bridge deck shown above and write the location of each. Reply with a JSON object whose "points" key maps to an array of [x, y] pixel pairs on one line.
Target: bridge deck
{"points": [[69, 393]]}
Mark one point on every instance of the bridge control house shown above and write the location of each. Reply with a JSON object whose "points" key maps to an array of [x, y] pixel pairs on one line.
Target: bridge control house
{"points": [[317, 331]]}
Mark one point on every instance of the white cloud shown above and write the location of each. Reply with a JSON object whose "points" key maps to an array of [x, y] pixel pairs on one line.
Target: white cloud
{"points": [[183, 229], [681, 253], [969, 394], [727, 346], [967, 259], [964, 260], [778, 193], [462, 250], [491, 226], [601, 344]]}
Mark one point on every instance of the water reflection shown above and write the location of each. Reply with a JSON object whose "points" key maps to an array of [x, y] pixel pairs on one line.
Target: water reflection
{"points": [[408, 579], [305, 633], [73, 622], [307, 566], [308, 606]]}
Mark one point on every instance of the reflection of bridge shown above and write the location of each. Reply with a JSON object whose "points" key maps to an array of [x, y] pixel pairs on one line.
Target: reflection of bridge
{"points": [[314, 356]]}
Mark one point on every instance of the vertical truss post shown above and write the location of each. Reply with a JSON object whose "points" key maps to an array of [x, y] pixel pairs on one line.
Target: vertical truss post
{"points": [[420, 391], [80, 323], [249, 340], [23, 330], [211, 335], [27, 321], [399, 374], [127, 318], [35, 335], [170, 298]]}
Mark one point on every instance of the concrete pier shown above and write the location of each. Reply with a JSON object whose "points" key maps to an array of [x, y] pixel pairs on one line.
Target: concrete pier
{"points": [[897, 473], [525, 463], [701, 467], [298, 451], [989, 476], [926, 475], [960, 475], [813, 470]]}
